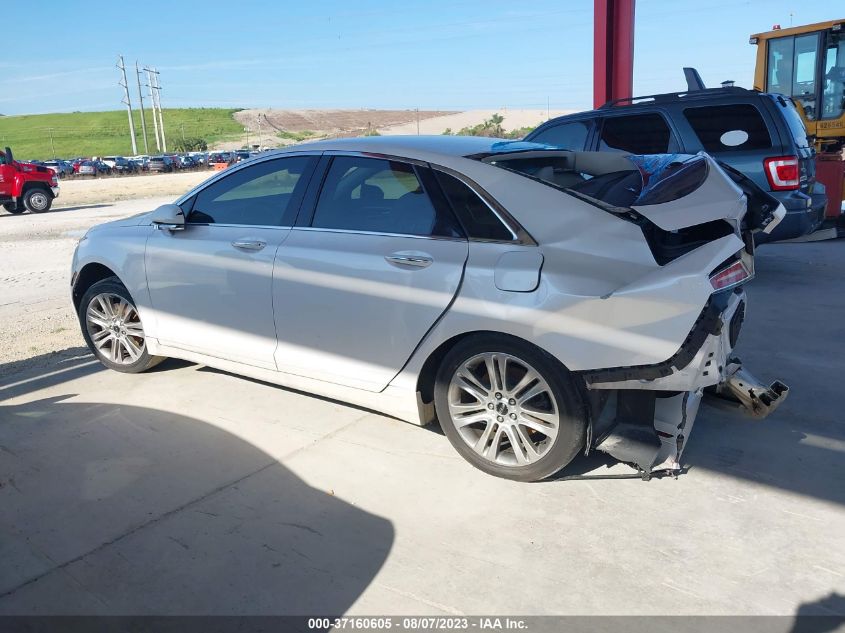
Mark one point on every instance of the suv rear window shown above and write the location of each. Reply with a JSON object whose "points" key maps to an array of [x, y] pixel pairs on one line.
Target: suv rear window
{"points": [[729, 128], [794, 122], [637, 134]]}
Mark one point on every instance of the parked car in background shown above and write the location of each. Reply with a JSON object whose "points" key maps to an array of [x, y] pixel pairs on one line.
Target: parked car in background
{"points": [[242, 155], [119, 164], [160, 164], [60, 167], [540, 302], [760, 135], [87, 168], [220, 157]]}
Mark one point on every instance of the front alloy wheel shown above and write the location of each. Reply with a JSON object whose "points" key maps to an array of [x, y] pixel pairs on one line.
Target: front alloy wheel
{"points": [[508, 408], [112, 328]]}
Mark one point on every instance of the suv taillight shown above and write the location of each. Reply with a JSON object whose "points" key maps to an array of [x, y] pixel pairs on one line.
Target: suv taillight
{"points": [[730, 276], [782, 172]]}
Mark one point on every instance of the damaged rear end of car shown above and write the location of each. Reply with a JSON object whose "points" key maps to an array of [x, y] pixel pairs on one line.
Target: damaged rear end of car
{"points": [[698, 219]]}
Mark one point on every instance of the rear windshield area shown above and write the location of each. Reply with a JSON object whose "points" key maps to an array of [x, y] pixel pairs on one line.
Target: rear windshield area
{"points": [[651, 179], [729, 128]]}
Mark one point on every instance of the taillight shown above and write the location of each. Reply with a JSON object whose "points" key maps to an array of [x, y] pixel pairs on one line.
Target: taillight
{"points": [[734, 274], [782, 172]]}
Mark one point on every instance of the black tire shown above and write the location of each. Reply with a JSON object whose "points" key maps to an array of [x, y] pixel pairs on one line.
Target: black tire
{"points": [[112, 286], [11, 207], [572, 426], [38, 200]]}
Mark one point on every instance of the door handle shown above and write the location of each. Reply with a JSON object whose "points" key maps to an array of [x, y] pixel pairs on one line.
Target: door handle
{"points": [[415, 261], [249, 245]]}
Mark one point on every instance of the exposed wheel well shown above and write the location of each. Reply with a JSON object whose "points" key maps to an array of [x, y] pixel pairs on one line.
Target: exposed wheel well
{"points": [[88, 276], [37, 185], [428, 372]]}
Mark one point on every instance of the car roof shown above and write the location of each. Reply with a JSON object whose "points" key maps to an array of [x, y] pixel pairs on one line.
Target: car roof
{"points": [[433, 148]]}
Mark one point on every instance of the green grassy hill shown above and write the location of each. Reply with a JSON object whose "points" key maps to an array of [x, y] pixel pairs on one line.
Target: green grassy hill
{"points": [[104, 133]]}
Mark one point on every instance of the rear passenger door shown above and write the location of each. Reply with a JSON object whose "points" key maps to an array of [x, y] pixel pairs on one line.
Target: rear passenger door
{"points": [[372, 265]]}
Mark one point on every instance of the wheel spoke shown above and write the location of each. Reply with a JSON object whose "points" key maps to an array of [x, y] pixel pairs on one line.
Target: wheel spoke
{"points": [[492, 452], [471, 386], [480, 446], [132, 348], [115, 350], [134, 329], [532, 393], [549, 430], [105, 306], [524, 382], [471, 418], [516, 446], [531, 453], [101, 338]]}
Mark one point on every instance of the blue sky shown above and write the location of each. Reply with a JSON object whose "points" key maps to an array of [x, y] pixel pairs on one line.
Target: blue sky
{"points": [[454, 54]]}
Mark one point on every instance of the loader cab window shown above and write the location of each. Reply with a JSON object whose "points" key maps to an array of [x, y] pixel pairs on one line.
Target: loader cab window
{"points": [[833, 80], [791, 69]]}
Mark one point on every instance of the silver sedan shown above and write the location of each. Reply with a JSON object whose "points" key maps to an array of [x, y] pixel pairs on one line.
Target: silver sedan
{"points": [[536, 302]]}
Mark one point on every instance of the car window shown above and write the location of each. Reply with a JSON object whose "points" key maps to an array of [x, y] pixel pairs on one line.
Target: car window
{"points": [[566, 135], [476, 216], [259, 195], [637, 134], [377, 196], [727, 128]]}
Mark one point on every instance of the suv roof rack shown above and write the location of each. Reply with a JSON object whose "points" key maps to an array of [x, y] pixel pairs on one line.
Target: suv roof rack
{"points": [[678, 96]]}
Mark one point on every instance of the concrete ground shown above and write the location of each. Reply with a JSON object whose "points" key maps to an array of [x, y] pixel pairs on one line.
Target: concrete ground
{"points": [[191, 491]]}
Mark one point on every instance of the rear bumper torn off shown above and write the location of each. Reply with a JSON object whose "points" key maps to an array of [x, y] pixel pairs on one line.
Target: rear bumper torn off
{"points": [[742, 391]]}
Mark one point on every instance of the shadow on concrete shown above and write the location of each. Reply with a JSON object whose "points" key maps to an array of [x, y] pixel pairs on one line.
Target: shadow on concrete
{"points": [[821, 616], [112, 509]]}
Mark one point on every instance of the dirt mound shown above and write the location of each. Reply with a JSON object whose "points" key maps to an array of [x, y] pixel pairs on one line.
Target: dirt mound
{"points": [[328, 122]]}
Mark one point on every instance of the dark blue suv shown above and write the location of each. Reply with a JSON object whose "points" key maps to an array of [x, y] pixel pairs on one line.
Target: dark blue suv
{"points": [[758, 134]]}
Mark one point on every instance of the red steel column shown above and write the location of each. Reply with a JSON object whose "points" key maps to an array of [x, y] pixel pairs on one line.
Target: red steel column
{"points": [[613, 50]]}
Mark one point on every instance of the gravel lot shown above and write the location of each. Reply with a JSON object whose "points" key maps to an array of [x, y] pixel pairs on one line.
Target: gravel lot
{"points": [[35, 254]]}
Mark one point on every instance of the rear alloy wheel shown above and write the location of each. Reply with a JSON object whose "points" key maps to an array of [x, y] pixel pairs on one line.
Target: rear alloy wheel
{"points": [[112, 328], [37, 200], [508, 408]]}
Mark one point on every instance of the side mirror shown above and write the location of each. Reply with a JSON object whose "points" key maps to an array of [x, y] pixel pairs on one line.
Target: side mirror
{"points": [[9, 157], [170, 217]]}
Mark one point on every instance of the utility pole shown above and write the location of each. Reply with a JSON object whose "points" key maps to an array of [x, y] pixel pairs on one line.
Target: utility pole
{"points": [[51, 143], [417, 110], [151, 86], [141, 99], [128, 103], [259, 131], [160, 115], [246, 129]]}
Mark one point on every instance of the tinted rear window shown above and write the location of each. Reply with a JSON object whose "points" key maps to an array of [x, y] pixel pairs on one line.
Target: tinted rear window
{"points": [[729, 128], [637, 134]]}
